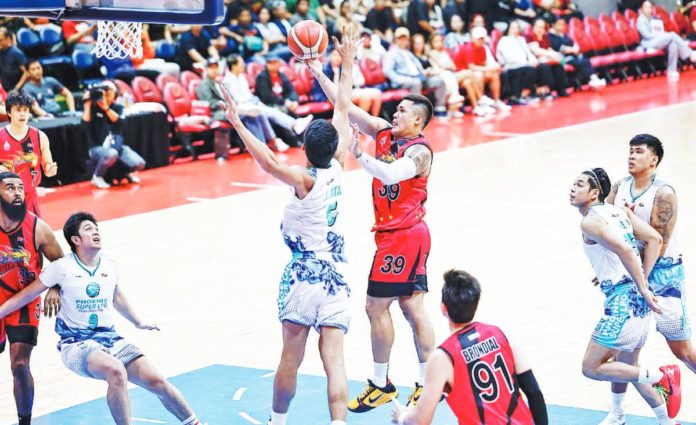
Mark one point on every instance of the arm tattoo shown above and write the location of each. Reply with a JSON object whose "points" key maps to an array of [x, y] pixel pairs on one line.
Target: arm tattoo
{"points": [[664, 213], [612, 193], [423, 158]]}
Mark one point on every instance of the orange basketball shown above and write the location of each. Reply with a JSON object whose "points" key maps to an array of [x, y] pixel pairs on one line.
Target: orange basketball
{"points": [[308, 40]]}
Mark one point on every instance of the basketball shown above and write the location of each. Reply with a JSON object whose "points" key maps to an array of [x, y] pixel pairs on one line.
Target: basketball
{"points": [[308, 40]]}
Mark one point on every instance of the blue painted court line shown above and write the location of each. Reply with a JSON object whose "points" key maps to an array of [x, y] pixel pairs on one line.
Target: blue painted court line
{"points": [[212, 392]]}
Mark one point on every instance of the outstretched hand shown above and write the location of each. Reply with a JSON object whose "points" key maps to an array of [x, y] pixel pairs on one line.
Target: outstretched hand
{"points": [[230, 106], [354, 141], [348, 46]]}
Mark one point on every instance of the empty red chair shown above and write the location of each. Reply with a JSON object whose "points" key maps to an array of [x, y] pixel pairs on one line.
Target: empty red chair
{"points": [[591, 22], [144, 90], [631, 16], [192, 87], [617, 16], [163, 79], [374, 76], [496, 35], [178, 103], [303, 83], [666, 20], [576, 22], [188, 76], [124, 88], [681, 22]]}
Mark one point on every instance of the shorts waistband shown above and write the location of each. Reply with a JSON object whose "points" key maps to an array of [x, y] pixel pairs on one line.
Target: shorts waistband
{"points": [[323, 256]]}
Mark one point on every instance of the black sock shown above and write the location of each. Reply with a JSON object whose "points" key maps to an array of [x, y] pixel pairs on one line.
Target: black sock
{"points": [[24, 420]]}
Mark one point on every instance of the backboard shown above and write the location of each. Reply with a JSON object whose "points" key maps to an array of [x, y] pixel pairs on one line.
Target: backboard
{"points": [[203, 12]]}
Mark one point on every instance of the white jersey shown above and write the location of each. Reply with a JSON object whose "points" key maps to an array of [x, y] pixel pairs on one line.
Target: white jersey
{"points": [[313, 226], [86, 295], [606, 264], [642, 205]]}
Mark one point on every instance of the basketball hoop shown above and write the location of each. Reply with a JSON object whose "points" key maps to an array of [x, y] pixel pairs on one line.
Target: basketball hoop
{"points": [[118, 40]]}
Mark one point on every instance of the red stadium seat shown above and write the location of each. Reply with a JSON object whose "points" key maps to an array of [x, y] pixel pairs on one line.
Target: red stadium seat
{"points": [[374, 76], [144, 90], [303, 82], [163, 79], [681, 22], [576, 22], [193, 85], [187, 77], [178, 103], [496, 35], [631, 16], [124, 88]]}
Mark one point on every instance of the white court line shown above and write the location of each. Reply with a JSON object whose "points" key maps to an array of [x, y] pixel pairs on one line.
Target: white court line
{"points": [[268, 375], [151, 421], [254, 185], [238, 394], [194, 199], [503, 134], [246, 416]]}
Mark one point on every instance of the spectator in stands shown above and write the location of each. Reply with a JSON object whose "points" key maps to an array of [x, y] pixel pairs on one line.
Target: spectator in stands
{"points": [[471, 81], [380, 20], [102, 118], [44, 91], [653, 36], [347, 17], [248, 104], [13, 70], [454, 8], [79, 35], [301, 12], [281, 17], [272, 35], [480, 58], [371, 47], [541, 47], [454, 99], [524, 13], [404, 71], [485, 8], [558, 8], [367, 98], [425, 17], [275, 89], [248, 35], [523, 68], [194, 48], [313, 10], [560, 42], [478, 21], [148, 61], [456, 36]]}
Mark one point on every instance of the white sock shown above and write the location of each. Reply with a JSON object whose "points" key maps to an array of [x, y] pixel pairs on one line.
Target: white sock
{"points": [[421, 366], [338, 422], [379, 378], [278, 418], [661, 415], [192, 420], [617, 400], [650, 375]]}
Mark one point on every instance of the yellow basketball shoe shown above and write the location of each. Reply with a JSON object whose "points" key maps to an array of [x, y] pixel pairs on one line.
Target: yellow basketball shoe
{"points": [[415, 395], [372, 397]]}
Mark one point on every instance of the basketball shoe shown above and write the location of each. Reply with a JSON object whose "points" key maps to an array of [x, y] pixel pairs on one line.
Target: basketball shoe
{"points": [[615, 417], [669, 388], [372, 397]]}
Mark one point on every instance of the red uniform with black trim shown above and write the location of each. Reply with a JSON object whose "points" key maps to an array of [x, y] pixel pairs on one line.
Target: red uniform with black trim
{"points": [[23, 157], [485, 387], [20, 263], [401, 235]]}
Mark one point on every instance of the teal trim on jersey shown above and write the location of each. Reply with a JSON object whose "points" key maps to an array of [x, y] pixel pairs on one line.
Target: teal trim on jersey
{"points": [[630, 189], [84, 267]]}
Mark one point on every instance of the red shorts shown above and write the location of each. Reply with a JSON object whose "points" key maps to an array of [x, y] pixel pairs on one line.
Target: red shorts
{"points": [[399, 266], [22, 325]]}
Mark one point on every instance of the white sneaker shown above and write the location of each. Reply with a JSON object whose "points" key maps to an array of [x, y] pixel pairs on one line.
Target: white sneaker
{"points": [[672, 76], [486, 101], [100, 183], [693, 56], [502, 106], [615, 417], [133, 178], [301, 124], [281, 146], [480, 111], [596, 82], [489, 110]]}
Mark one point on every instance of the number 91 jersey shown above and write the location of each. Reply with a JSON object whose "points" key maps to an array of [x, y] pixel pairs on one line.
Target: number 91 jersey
{"points": [[485, 388]]}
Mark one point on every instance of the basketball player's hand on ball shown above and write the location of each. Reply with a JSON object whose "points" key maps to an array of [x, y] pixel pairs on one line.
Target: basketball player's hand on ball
{"points": [[230, 107], [51, 169], [354, 141], [147, 326]]}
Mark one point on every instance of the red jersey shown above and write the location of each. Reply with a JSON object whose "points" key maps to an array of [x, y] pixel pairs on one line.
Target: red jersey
{"points": [[22, 157], [475, 55], [485, 388], [20, 259], [401, 205]]}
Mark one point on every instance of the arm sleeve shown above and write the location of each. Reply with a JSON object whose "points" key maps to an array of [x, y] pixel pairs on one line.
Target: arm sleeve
{"points": [[535, 398], [53, 274], [389, 173]]}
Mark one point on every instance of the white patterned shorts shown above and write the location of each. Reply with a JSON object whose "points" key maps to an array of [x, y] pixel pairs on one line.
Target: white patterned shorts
{"points": [[626, 320], [673, 323], [75, 354], [314, 293]]}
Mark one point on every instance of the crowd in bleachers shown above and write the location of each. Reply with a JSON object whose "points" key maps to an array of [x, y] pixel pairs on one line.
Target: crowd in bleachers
{"points": [[477, 56]]}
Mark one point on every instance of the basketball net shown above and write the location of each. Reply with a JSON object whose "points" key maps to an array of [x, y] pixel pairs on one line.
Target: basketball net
{"points": [[118, 40]]}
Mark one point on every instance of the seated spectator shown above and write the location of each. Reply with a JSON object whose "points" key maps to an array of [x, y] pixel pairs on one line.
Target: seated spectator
{"points": [[258, 124], [369, 99], [272, 35], [148, 61], [478, 21], [14, 24], [301, 12], [560, 42], [454, 99], [248, 35], [380, 20], [275, 89], [371, 47], [347, 18], [311, 11], [404, 70], [471, 81], [425, 17], [281, 17], [524, 13], [194, 48], [558, 8], [103, 121], [44, 91], [653, 36], [13, 70], [521, 67], [454, 8], [480, 59], [484, 8], [237, 84], [79, 35], [540, 45], [456, 36]]}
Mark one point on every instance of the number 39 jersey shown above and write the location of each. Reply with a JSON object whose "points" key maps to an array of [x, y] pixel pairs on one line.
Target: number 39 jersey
{"points": [[401, 205], [313, 226], [485, 388]]}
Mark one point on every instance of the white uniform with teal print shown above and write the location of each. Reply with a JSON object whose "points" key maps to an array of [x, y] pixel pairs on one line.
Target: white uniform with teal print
{"points": [[85, 321], [667, 277], [313, 291], [625, 323]]}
